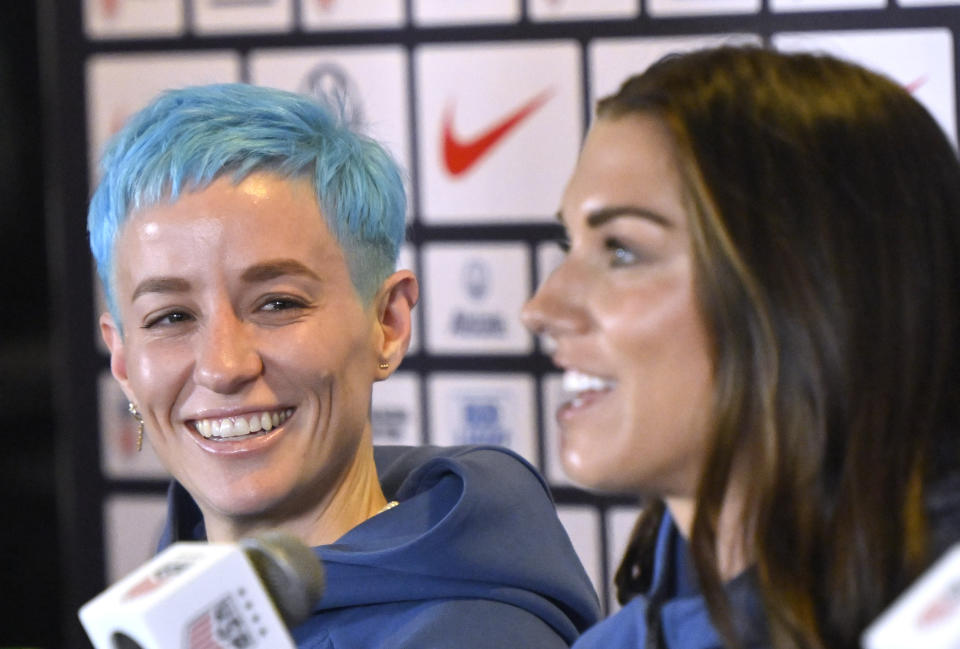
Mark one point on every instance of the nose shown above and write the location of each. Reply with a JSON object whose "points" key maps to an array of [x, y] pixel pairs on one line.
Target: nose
{"points": [[557, 307], [227, 357]]}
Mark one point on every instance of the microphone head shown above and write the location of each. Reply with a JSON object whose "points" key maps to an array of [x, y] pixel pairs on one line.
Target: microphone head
{"points": [[290, 571]]}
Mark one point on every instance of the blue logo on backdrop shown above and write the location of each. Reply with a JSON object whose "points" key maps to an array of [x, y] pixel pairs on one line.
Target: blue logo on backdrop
{"points": [[476, 279], [481, 418], [331, 84]]}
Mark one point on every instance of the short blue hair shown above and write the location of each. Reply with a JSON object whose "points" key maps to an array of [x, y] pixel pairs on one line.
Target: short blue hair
{"points": [[187, 138]]}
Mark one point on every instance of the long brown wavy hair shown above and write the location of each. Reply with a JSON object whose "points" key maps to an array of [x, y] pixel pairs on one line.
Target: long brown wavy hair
{"points": [[824, 203]]}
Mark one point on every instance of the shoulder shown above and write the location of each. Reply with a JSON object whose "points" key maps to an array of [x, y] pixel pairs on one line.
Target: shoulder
{"points": [[402, 469], [626, 628], [431, 624]]}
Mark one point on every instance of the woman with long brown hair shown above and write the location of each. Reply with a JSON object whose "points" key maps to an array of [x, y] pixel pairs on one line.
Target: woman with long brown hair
{"points": [[758, 323]]}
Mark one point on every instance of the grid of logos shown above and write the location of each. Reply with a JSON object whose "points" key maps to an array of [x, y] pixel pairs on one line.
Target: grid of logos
{"points": [[427, 101]]}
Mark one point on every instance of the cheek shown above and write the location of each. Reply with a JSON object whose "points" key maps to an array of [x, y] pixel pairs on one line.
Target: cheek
{"points": [[158, 372]]}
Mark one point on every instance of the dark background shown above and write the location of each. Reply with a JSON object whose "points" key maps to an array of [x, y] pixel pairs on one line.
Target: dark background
{"points": [[51, 485], [29, 543]]}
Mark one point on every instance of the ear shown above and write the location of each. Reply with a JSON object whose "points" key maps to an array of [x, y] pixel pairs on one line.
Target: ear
{"points": [[118, 358], [394, 304]]}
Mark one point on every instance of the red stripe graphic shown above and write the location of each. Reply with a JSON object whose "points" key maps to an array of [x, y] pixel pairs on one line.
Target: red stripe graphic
{"points": [[201, 634], [460, 155]]}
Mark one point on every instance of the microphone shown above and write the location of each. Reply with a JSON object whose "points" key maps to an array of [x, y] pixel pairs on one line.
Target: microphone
{"points": [[196, 595], [926, 615]]}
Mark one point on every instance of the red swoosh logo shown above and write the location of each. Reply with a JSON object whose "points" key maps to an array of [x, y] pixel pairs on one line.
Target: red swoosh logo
{"points": [[460, 155], [914, 85]]}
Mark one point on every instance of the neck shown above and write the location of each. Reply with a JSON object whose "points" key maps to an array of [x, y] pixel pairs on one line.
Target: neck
{"points": [[732, 533], [355, 497]]}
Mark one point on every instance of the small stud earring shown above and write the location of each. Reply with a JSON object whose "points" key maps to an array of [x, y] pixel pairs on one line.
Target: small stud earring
{"points": [[132, 409], [384, 365]]}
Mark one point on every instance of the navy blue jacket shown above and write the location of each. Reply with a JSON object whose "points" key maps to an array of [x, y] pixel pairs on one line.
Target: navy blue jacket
{"points": [[473, 557], [673, 614]]}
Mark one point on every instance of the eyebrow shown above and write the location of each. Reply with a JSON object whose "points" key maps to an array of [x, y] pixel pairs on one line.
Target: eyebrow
{"points": [[604, 214], [275, 268], [161, 285], [262, 272]]}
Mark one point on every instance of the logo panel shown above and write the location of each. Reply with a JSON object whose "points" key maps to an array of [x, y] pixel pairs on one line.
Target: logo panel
{"points": [[613, 60], [665, 8], [371, 83], [132, 18], [242, 16], [473, 294], [319, 15], [132, 525], [927, 3], [407, 261], [819, 5], [118, 85], [583, 527], [551, 398], [927, 72], [546, 10], [395, 410], [447, 12], [499, 128], [484, 409]]}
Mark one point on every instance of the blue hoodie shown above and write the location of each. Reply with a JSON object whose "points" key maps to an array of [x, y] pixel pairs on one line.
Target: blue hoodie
{"points": [[673, 613], [473, 557]]}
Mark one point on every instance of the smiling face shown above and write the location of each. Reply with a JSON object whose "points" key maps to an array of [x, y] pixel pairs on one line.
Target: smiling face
{"points": [[621, 310], [246, 348]]}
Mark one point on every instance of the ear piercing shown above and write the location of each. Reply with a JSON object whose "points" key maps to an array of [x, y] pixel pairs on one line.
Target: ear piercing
{"points": [[132, 409]]}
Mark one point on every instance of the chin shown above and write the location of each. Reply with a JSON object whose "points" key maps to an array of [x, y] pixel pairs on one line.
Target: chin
{"points": [[239, 498]]}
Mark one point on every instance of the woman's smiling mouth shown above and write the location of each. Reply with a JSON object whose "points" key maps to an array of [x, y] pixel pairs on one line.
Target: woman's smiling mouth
{"points": [[580, 387], [231, 427]]}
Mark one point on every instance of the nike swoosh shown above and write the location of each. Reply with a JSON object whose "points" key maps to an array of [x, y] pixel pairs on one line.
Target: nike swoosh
{"points": [[460, 155], [914, 85]]}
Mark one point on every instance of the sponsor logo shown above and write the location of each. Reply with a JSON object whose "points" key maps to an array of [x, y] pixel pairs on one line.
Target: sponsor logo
{"points": [[221, 627], [480, 418], [460, 155], [940, 608], [475, 277], [158, 578], [915, 85], [331, 84]]}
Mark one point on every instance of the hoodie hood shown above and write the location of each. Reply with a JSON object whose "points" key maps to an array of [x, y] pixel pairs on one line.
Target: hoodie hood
{"points": [[473, 523]]}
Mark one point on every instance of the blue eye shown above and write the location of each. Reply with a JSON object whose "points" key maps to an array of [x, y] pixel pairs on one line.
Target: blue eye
{"points": [[169, 318], [620, 255], [282, 304]]}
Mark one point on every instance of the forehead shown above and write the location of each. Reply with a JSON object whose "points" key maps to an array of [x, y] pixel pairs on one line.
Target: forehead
{"points": [[625, 160], [225, 225]]}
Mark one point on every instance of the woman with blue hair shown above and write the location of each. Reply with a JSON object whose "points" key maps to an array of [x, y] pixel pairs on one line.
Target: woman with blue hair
{"points": [[246, 241]]}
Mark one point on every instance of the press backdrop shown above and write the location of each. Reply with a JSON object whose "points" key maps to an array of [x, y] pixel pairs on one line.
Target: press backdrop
{"points": [[480, 229]]}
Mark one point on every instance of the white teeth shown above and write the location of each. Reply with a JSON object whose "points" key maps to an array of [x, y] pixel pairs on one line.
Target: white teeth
{"points": [[240, 426], [574, 381]]}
